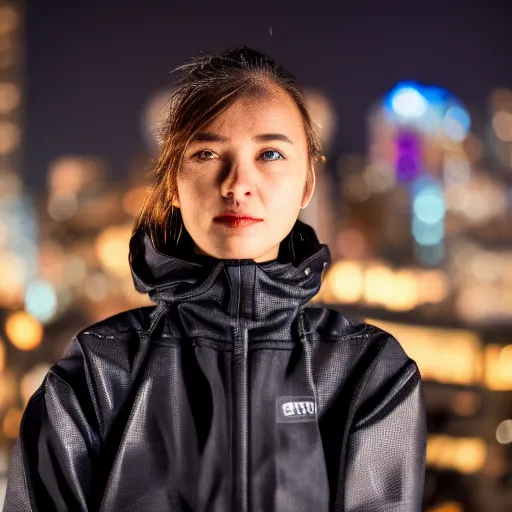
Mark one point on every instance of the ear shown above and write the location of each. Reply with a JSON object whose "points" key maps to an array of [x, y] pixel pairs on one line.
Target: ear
{"points": [[309, 187]]}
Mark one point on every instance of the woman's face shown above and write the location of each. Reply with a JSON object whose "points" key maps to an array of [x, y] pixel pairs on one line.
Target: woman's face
{"points": [[252, 161]]}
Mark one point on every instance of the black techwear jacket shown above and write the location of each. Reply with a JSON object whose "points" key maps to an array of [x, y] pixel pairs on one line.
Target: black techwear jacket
{"points": [[232, 394]]}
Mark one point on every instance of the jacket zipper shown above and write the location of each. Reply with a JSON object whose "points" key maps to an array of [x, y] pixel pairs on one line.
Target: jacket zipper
{"points": [[240, 425], [240, 421]]}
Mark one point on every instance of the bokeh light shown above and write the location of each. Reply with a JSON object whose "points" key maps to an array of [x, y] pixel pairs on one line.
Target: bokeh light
{"points": [[456, 123], [69, 174], [23, 330], [112, 249], [9, 97], [433, 286], [41, 300], [356, 189], [428, 207], [11, 423], [447, 506], [408, 102], [13, 276], [8, 19], [9, 137], [155, 113], [408, 156], [133, 200], [323, 115], [504, 432], [346, 281], [498, 376], [378, 285], [502, 124], [464, 454], [405, 291], [62, 206], [456, 169]]}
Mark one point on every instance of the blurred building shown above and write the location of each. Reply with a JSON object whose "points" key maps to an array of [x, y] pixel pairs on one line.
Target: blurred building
{"points": [[17, 229], [426, 253]]}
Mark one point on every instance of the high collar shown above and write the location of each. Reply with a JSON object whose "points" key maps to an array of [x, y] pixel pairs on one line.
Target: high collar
{"points": [[208, 291]]}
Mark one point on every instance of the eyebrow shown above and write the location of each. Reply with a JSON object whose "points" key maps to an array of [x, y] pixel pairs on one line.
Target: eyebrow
{"points": [[208, 137], [264, 137], [267, 137]]}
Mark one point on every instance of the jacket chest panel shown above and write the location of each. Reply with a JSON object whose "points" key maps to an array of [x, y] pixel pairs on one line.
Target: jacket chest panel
{"points": [[183, 426]]}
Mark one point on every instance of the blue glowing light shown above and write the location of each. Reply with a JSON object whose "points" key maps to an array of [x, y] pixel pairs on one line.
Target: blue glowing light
{"points": [[428, 211], [408, 102], [427, 234], [429, 207], [429, 108], [436, 96], [41, 300]]}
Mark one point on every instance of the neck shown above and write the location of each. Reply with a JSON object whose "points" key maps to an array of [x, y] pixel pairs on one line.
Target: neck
{"points": [[270, 255]]}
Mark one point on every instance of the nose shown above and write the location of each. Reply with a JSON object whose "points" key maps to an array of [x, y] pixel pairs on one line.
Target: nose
{"points": [[238, 182]]}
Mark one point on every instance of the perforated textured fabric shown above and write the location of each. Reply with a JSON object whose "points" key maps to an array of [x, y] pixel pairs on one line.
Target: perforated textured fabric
{"points": [[232, 394]]}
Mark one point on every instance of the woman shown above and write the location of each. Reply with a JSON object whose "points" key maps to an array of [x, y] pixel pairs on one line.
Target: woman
{"points": [[232, 393]]}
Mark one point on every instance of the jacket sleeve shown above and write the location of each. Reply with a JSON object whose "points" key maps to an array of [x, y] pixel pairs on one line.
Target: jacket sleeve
{"points": [[58, 444], [386, 448]]}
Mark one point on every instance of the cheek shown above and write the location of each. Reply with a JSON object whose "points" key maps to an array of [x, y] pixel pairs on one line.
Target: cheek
{"points": [[283, 206], [192, 192], [287, 191]]}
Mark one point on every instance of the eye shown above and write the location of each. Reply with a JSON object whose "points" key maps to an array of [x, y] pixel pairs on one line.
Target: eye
{"points": [[206, 154], [271, 155]]}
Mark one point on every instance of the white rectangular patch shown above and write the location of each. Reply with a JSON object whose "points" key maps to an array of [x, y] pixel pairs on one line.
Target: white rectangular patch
{"points": [[292, 409]]}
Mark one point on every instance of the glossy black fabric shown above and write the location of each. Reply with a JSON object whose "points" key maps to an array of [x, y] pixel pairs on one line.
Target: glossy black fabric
{"points": [[230, 395]]}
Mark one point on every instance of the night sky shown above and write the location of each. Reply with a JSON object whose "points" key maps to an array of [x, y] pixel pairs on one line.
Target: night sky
{"points": [[91, 65]]}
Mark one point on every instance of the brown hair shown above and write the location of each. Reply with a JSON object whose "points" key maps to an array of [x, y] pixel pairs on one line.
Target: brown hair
{"points": [[207, 85]]}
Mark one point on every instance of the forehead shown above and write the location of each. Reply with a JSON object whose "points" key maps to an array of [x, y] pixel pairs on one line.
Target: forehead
{"points": [[271, 112]]}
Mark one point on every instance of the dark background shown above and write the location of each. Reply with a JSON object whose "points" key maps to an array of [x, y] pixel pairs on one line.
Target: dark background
{"points": [[91, 66]]}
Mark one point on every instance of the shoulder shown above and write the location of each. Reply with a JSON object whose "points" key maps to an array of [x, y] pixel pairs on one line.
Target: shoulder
{"points": [[116, 334], [114, 342], [360, 358], [119, 325], [354, 336], [100, 364]]}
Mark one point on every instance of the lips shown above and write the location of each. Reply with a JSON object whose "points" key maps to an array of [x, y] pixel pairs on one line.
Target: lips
{"points": [[236, 221]]}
